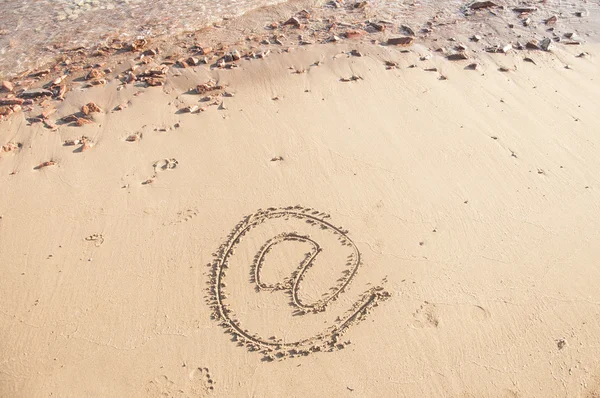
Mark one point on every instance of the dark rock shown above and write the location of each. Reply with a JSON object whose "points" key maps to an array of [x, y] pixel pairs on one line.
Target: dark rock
{"points": [[35, 93], [478, 5], [6, 86], [11, 101], [546, 44], [400, 41], [461, 55], [293, 21]]}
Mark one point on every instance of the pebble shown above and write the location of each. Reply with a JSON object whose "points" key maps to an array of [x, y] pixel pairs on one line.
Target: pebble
{"points": [[400, 41], [546, 44], [35, 93], [461, 55], [478, 5], [293, 21], [7, 86]]}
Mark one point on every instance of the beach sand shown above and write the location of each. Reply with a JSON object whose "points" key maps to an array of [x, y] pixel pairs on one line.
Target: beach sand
{"points": [[438, 230]]}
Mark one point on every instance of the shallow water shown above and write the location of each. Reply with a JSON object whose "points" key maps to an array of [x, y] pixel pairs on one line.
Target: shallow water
{"points": [[39, 25], [31, 30]]}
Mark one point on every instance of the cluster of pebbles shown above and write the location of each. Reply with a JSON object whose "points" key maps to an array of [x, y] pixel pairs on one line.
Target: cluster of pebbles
{"points": [[525, 28]]}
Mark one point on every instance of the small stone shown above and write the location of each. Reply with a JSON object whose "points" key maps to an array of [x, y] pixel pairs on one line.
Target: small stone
{"points": [[561, 343], [409, 31], [235, 55], [546, 44], [138, 44], [150, 52], [583, 55], [47, 113], [153, 81], [475, 38], [400, 41], [461, 55], [91, 108], [94, 74], [391, 65], [50, 125], [86, 145], [527, 59], [478, 5], [507, 48], [527, 22], [7, 86], [378, 27], [82, 121], [40, 73], [354, 33], [35, 93], [532, 45], [159, 70], [360, 4], [525, 9], [356, 53], [191, 109], [193, 61], [293, 21], [551, 21], [44, 164], [59, 80]]}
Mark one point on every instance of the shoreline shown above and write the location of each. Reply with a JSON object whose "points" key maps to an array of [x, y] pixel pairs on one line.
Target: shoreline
{"points": [[426, 24]]}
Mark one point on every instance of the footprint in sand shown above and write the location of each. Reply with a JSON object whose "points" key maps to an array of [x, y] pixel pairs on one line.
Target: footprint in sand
{"points": [[97, 239], [162, 387], [165, 164], [160, 166], [198, 383], [426, 316], [183, 216]]}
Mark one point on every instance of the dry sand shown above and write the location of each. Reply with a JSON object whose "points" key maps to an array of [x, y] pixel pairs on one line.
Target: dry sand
{"points": [[473, 202]]}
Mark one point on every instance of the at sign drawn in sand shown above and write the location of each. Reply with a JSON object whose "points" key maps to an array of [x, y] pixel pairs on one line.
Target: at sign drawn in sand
{"points": [[309, 228]]}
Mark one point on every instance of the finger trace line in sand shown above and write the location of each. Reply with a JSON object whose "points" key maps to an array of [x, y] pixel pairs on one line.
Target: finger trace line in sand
{"points": [[327, 340]]}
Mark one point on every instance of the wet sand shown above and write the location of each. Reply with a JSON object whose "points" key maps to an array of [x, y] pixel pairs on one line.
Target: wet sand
{"points": [[306, 210]]}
